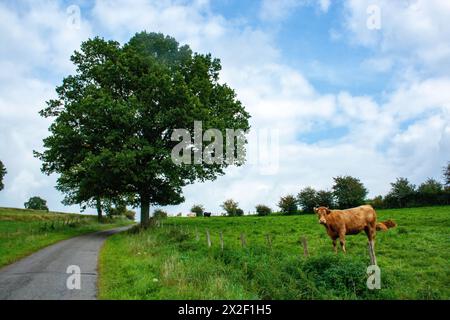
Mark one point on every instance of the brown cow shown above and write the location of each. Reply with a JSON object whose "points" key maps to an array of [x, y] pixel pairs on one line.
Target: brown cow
{"points": [[350, 221], [385, 225]]}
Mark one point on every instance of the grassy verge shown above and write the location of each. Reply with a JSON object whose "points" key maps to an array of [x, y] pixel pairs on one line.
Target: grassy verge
{"points": [[25, 231], [170, 263]]}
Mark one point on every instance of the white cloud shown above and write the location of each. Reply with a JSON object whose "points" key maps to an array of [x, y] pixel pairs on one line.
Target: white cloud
{"points": [[411, 33], [378, 64], [36, 47], [277, 10], [324, 5]]}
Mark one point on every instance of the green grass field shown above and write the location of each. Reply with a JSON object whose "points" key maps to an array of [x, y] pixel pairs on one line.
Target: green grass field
{"points": [[25, 231], [170, 263]]}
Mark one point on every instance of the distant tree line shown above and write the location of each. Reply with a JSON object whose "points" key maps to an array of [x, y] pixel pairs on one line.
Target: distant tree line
{"points": [[348, 192], [404, 194]]}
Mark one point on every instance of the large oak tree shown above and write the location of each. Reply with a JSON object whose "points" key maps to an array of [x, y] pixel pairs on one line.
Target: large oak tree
{"points": [[113, 120]]}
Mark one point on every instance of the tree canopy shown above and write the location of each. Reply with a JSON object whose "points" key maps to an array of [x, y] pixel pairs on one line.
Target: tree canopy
{"points": [[430, 186], [308, 198], [349, 192], [401, 191], [288, 205], [36, 203], [198, 209], [231, 207], [114, 118]]}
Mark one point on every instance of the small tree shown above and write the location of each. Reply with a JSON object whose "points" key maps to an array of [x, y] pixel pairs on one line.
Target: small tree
{"points": [[349, 192], [430, 186], [160, 214], [325, 198], [198, 209], [307, 199], [377, 202], [231, 207], [3, 172], [116, 210], [130, 214], [401, 192], [263, 210], [36, 203], [288, 205]]}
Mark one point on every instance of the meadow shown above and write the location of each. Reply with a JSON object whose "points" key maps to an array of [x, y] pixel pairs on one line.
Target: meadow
{"points": [[173, 261], [25, 231]]}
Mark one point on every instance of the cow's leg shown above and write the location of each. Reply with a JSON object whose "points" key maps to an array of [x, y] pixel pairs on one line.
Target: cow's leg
{"points": [[373, 258], [370, 231], [334, 246], [342, 241]]}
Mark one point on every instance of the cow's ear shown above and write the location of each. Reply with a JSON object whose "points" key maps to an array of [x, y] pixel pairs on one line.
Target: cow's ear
{"points": [[315, 209], [328, 210]]}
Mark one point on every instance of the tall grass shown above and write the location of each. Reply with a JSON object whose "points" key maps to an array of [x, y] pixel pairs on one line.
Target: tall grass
{"points": [[25, 231], [169, 262]]}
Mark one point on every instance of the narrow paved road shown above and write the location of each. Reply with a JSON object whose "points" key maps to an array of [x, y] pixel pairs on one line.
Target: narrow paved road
{"points": [[43, 275]]}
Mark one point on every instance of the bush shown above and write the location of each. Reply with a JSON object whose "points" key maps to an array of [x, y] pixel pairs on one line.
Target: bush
{"points": [[36, 203], [198, 209], [118, 210], [377, 202], [263, 210], [232, 209], [160, 214], [337, 276], [288, 205], [129, 214]]}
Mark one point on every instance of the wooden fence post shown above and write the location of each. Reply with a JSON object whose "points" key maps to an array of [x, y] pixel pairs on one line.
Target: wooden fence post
{"points": [[305, 247], [269, 241], [243, 242], [208, 238], [221, 239]]}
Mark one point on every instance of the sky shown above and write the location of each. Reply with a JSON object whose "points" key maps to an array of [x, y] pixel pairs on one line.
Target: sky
{"points": [[347, 87]]}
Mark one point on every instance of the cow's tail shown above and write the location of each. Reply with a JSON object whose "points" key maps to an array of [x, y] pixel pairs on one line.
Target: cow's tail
{"points": [[385, 225]]}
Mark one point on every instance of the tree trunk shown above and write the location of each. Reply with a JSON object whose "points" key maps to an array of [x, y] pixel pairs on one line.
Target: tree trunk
{"points": [[99, 209], [145, 210]]}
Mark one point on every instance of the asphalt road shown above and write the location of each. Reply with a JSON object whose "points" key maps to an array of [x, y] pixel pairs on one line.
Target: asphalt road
{"points": [[44, 274]]}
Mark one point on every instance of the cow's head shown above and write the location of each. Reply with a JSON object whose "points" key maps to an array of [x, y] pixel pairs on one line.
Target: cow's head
{"points": [[322, 213]]}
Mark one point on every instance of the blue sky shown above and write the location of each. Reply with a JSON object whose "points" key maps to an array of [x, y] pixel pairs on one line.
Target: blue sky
{"points": [[340, 97]]}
